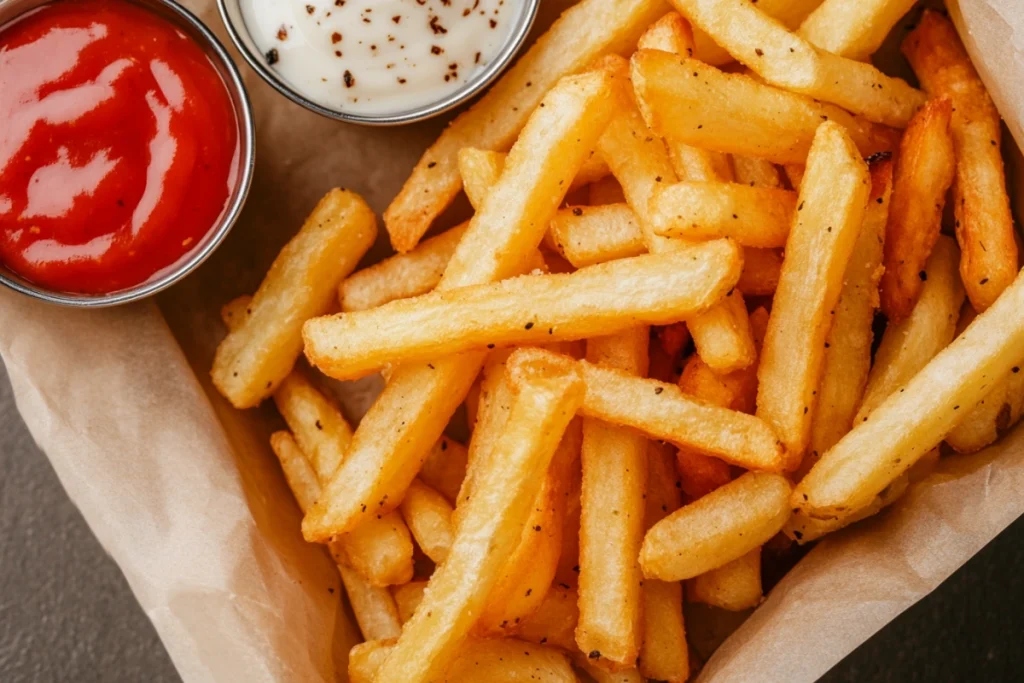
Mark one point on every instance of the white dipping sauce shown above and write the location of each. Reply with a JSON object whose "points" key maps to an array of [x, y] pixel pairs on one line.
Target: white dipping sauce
{"points": [[378, 56]]}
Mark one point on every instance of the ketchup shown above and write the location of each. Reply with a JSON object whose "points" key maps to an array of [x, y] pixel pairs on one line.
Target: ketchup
{"points": [[118, 145]]}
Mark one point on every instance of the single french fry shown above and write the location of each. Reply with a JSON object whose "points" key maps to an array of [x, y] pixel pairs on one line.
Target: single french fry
{"points": [[722, 334], [848, 347], [911, 422], [476, 659], [429, 518], [234, 312], [605, 191], [612, 518], [529, 309], [790, 12], [718, 528], [380, 549], [830, 211], [408, 597], [761, 269], [256, 357], [587, 235], [853, 28], [402, 275], [664, 654], [373, 606], [581, 34], [988, 261], [671, 33], [689, 101], [753, 216], [315, 420], [992, 416], [735, 586], [908, 345], [924, 172], [492, 525], [445, 468], [786, 60], [408, 417], [479, 170]]}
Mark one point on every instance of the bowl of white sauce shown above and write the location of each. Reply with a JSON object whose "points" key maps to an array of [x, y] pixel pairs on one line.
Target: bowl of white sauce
{"points": [[378, 62]]}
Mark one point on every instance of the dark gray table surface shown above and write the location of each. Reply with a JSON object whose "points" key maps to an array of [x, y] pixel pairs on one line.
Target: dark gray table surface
{"points": [[66, 613]]}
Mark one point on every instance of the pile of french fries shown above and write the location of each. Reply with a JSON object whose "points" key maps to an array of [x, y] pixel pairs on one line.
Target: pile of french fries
{"points": [[663, 322]]}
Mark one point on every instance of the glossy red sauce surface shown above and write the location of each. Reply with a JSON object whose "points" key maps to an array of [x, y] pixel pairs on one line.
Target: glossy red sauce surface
{"points": [[118, 145]]}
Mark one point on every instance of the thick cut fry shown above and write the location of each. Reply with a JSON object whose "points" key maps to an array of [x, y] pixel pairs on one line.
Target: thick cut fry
{"points": [[373, 607], [381, 550], [988, 261], [491, 526], [753, 216], [790, 12], [664, 655], [315, 420], [908, 345], [401, 276], [853, 28], [756, 172], [992, 416], [477, 659], [530, 309], [612, 518], [924, 172], [719, 528], [408, 597], [583, 32], [689, 101], [830, 211], [722, 335], [734, 586], [480, 170], [256, 357], [848, 349], [429, 518], [586, 235], [761, 269], [407, 419], [913, 421], [786, 60], [671, 33], [445, 468]]}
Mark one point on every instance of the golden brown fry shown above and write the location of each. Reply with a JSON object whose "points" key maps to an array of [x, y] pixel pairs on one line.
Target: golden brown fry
{"points": [[753, 216], [924, 172], [908, 345], [408, 417], [587, 235], [254, 358], [554, 622], [786, 60], [689, 101], [408, 597], [911, 422], [612, 517], [848, 349], [664, 655], [583, 32], [479, 170], [853, 28], [671, 33], [988, 262], [761, 269], [316, 422], [789, 12], [529, 309], [830, 211], [992, 416], [402, 275], [429, 518], [492, 524], [734, 586], [718, 528], [445, 468]]}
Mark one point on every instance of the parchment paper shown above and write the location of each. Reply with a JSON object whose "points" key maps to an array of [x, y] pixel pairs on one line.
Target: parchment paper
{"points": [[184, 493]]}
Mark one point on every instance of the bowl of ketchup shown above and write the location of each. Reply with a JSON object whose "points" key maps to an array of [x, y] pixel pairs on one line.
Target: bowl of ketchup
{"points": [[126, 147]]}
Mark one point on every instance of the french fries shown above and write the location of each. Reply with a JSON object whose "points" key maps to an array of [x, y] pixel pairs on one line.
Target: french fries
{"points": [[753, 216], [788, 61], [554, 622], [529, 309], [908, 345], [256, 357], [611, 520], [584, 32], [992, 416], [988, 261], [924, 172], [853, 28], [722, 334], [848, 347], [830, 211], [689, 101], [393, 437], [914, 420], [587, 235], [480, 170], [315, 420], [734, 586], [756, 172], [789, 12], [718, 528], [429, 518], [493, 522]]}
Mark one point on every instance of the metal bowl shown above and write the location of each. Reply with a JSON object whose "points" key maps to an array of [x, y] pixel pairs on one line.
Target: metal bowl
{"points": [[195, 29], [231, 14]]}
